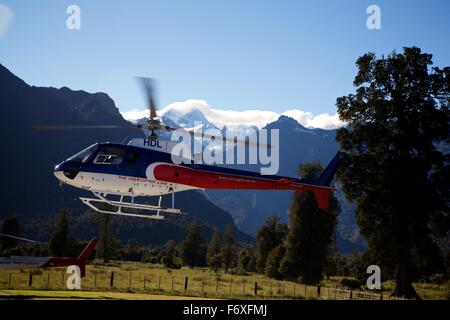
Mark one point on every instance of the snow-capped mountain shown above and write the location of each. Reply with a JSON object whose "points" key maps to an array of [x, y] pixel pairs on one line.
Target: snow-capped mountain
{"points": [[190, 119], [232, 118]]}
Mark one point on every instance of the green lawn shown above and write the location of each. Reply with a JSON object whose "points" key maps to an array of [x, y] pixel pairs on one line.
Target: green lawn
{"points": [[147, 281], [43, 295]]}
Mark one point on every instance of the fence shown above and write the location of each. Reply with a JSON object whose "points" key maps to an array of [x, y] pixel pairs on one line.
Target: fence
{"points": [[182, 285]]}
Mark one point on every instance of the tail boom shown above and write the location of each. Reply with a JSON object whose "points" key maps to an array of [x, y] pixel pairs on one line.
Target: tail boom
{"points": [[209, 177]]}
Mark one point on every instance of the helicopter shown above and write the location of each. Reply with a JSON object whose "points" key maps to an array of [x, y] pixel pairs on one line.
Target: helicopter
{"points": [[118, 173], [30, 262]]}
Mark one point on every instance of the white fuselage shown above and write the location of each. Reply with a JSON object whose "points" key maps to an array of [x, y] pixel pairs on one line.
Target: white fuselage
{"points": [[127, 185], [123, 185]]}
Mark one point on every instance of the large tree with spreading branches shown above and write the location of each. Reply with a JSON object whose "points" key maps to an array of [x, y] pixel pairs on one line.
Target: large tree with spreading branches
{"points": [[394, 170]]}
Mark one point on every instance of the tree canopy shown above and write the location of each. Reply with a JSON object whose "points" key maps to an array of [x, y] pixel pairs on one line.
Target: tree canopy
{"points": [[270, 235], [193, 250], [393, 170], [10, 227], [62, 243], [311, 231], [229, 249], [214, 252]]}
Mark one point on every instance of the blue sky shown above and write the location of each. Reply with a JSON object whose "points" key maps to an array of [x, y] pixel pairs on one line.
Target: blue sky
{"points": [[266, 55]]}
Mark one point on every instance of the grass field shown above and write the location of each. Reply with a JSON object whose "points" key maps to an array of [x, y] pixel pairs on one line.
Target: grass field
{"points": [[90, 295], [147, 281]]}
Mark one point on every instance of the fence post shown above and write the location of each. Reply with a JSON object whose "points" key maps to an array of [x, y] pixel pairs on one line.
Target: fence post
{"points": [[202, 285], [256, 288], [351, 295], [381, 295], [145, 280], [48, 280], [62, 280], [172, 284], [129, 282], [270, 288], [9, 281], [159, 282], [217, 286], [30, 280], [185, 284], [318, 290], [243, 288], [294, 290], [111, 281], [231, 281]]}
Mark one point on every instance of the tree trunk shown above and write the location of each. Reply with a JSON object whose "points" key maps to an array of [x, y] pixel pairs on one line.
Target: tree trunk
{"points": [[403, 281], [403, 276]]}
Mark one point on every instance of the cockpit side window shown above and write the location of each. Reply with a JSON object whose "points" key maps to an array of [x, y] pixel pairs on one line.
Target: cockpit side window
{"points": [[132, 157], [84, 155], [109, 155]]}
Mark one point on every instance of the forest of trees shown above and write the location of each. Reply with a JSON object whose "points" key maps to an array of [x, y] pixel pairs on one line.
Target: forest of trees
{"points": [[393, 170]]}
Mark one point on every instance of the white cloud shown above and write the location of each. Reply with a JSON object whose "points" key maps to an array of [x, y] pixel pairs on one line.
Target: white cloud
{"points": [[323, 120], [232, 118], [135, 114], [6, 17]]}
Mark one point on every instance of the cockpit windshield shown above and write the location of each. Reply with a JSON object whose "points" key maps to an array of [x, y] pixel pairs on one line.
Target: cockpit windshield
{"points": [[84, 155]]}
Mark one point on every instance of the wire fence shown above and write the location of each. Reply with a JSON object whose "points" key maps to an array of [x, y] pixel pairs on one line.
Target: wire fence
{"points": [[195, 286]]}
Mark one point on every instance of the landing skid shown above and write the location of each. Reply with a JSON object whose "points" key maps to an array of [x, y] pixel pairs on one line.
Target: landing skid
{"points": [[101, 198]]}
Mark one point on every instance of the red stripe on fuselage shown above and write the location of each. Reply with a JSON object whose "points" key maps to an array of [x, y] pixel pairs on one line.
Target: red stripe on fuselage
{"points": [[216, 180]]}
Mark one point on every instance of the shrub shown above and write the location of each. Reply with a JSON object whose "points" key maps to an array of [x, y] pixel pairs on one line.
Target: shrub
{"points": [[351, 283], [150, 259], [171, 262]]}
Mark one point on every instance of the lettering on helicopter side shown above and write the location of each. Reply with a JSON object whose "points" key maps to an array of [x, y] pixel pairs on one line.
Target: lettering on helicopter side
{"points": [[152, 143], [143, 180], [237, 179]]}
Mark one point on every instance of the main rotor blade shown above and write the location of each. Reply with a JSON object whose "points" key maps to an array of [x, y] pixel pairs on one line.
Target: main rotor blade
{"points": [[147, 84], [18, 238], [229, 139], [69, 127]]}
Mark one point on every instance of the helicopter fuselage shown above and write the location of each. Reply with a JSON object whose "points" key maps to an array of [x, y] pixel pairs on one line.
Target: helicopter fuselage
{"points": [[142, 169]]}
